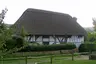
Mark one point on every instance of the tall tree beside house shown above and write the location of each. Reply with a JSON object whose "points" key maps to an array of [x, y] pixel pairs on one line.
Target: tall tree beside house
{"points": [[94, 23], [23, 33], [20, 39], [7, 43], [2, 28], [92, 35]]}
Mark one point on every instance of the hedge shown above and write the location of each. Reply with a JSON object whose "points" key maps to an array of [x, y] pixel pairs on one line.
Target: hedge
{"points": [[87, 47], [92, 57], [49, 47], [11, 43]]}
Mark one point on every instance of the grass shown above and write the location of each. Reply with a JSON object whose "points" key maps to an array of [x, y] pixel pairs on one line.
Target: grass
{"points": [[60, 59], [54, 62], [32, 54], [73, 62], [45, 59]]}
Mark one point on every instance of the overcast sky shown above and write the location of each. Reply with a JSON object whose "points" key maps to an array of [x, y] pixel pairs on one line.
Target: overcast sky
{"points": [[84, 10]]}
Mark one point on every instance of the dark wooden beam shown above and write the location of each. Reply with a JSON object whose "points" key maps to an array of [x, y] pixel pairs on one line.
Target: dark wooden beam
{"points": [[30, 37], [54, 39], [36, 37], [61, 39]]}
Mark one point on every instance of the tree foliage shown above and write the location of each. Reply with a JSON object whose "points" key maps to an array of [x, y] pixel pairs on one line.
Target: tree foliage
{"points": [[8, 43], [91, 37], [94, 23], [3, 32]]}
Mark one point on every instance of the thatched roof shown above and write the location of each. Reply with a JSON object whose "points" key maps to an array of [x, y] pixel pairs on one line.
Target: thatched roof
{"points": [[41, 22]]}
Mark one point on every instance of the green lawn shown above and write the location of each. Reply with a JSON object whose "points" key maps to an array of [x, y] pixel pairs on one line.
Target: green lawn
{"points": [[73, 62], [54, 62], [45, 59]]}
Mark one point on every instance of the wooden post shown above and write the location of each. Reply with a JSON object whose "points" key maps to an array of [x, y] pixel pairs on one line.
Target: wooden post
{"points": [[2, 60], [26, 60], [50, 59], [72, 55]]}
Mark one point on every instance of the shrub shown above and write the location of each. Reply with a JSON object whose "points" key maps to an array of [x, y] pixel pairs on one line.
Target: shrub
{"points": [[50, 47], [11, 43], [92, 57], [87, 47], [19, 42]]}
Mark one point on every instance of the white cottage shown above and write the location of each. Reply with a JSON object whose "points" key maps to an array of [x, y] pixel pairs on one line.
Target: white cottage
{"points": [[47, 27]]}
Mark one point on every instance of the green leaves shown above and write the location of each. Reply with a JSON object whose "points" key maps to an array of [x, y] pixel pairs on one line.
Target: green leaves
{"points": [[94, 23], [23, 33], [50, 47], [7, 43], [91, 37]]}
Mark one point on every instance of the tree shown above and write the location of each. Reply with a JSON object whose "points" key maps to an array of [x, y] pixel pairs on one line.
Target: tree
{"points": [[2, 15], [23, 33], [94, 23], [2, 28], [7, 42], [91, 37]]}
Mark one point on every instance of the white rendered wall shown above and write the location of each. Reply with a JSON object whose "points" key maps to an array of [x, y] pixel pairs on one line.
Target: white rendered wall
{"points": [[74, 39]]}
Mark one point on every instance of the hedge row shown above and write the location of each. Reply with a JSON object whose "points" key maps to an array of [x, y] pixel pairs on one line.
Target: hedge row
{"points": [[87, 47], [92, 57], [49, 47], [11, 43]]}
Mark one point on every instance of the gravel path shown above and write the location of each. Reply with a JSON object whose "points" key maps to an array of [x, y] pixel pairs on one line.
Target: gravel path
{"points": [[82, 57]]}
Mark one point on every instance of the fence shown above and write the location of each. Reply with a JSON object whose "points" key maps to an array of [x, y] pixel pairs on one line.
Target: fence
{"points": [[35, 60]]}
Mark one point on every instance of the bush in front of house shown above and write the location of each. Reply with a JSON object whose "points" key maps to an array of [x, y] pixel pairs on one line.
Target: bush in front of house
{"points": [[92, 57], [49, 47], [87, 47], [14, 42], [10, 44]]}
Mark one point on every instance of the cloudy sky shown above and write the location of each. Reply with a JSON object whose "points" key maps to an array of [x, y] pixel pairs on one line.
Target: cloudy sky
{"points": [[84, 10]]}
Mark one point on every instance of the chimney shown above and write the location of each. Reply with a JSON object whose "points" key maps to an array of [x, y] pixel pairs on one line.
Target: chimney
{"points": [[74, 19]]}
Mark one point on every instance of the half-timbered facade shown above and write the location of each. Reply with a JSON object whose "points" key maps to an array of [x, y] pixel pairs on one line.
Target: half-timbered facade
{"points": [[46, 27]]}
